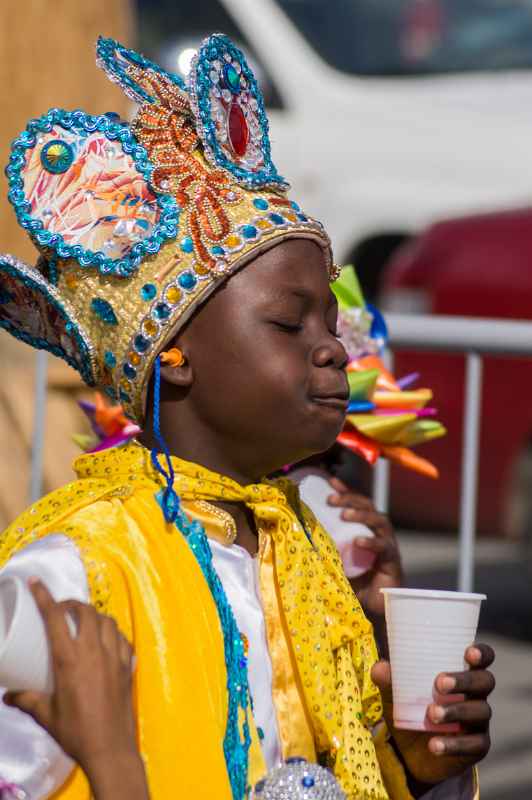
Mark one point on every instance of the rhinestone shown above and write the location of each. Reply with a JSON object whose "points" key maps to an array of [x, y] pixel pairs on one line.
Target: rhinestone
{"points": [[213, 75], [150, 327], [227, 57], [226, 95], [261, 203], [186, 244], [238, 130], [110, 359], [140, 343], [249, 231], [148, 291], [162, 311], [134, 359], [277, 219], [231, 79], [129, 371], [173, 295], [187, 280]]}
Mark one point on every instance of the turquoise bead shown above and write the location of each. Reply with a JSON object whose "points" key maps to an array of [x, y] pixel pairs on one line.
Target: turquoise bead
{"points": [[110, 359], [261, 203], [162, 311], [186, 244], [141, 344], [277, 219], [148, 291], [249, 231], [187, 280]]}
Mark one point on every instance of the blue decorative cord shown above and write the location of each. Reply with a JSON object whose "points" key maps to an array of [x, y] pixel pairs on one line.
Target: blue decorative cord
{"points": [[237, 739], [170, 500]]}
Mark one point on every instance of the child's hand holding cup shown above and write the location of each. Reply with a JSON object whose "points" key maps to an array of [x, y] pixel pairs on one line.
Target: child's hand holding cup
{"points": [[428, 633]]}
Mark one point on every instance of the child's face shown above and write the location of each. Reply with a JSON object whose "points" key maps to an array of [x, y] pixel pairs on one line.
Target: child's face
{"points": [[267, 370]]}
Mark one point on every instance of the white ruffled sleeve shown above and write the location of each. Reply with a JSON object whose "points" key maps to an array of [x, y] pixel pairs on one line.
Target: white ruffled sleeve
{"points": [[29, 757]]}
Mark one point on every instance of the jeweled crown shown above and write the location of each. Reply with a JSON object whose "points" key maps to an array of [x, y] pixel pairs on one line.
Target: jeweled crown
{"points": [[139, 223]]}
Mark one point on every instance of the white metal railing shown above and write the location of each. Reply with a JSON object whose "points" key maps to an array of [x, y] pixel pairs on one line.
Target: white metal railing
{"points": [[472, 338]]}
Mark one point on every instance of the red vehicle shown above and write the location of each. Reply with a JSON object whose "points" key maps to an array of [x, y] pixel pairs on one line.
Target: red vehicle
{"points": [[478, 266]]}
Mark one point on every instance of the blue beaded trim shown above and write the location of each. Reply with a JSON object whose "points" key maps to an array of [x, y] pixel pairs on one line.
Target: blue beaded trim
{"points": [[236, 749], [108, 53], [82, 124], [200, 83], [33, 280]]}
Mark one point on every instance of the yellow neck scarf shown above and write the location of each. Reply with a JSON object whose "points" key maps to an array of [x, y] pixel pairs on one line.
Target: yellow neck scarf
{"points": [[330, 639]]}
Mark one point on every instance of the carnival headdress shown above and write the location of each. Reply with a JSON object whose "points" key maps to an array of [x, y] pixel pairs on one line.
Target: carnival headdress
{"points": [[137, 224]]}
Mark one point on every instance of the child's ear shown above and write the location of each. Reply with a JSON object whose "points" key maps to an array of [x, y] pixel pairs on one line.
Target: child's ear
{"points": [[182, 376]]}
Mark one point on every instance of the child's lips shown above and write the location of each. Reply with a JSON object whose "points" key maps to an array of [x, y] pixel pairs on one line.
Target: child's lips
{"points": [[338, 402]]}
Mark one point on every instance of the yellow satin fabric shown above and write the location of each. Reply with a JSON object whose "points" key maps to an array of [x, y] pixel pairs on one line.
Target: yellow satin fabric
{"points": [[142, 572]]}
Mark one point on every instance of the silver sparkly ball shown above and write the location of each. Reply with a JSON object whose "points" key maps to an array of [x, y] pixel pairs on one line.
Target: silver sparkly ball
{"points": [[297, 779]]}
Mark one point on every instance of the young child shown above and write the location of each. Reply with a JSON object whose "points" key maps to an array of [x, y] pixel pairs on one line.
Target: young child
{"points": [[179, 278]]}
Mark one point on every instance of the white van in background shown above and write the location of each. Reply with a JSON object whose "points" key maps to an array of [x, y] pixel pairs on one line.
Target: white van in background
{"points": [[385, 114]]}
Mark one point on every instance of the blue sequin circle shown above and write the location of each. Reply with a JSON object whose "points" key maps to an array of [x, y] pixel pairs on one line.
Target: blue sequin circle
{"points": [[57, 156]]}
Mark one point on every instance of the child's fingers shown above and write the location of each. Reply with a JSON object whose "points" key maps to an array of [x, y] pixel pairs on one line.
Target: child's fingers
{"points": [[471, 713], [126, 651], [34, 704], [474, 683], [480, 656], [377, 546], [381, 674], [339, 485], [351, 500], [474, 746], [53, 615]]}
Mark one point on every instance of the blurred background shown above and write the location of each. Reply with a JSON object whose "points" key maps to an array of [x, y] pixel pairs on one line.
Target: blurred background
{"points": [[404, 125]]}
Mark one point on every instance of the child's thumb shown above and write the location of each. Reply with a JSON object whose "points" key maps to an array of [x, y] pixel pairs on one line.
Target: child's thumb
{"points": [[36, 704], [381, 674]]}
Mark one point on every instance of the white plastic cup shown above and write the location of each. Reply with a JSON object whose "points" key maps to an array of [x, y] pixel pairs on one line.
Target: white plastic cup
{"points": [[428, 633], [314, 489], [24, 652]]}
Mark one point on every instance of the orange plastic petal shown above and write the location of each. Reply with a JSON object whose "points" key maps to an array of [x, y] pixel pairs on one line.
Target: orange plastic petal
{"points": [[406, 458]]}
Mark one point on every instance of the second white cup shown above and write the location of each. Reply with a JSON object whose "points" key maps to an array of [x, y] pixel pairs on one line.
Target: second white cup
{"points": [[24, 651], [428, 633]]}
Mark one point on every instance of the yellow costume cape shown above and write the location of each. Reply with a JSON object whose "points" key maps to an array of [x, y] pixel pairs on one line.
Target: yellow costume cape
{"points": [[142, 572]]}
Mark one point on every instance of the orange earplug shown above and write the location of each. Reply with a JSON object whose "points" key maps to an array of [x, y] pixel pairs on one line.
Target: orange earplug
{"points": [[173, 357]]}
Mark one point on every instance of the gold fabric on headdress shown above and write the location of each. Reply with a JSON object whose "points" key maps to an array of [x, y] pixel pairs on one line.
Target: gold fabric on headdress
{"points": [[157, 227]]}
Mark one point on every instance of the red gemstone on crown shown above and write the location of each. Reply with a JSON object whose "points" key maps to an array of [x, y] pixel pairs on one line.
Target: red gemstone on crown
{"points": [[238, 130]]}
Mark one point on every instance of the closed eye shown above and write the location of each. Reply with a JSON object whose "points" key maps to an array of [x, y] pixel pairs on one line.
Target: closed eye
{"points": [[289, 327]]}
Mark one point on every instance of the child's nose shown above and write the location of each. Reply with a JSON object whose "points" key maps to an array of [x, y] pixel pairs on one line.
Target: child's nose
{"points": [[332, 354]]}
